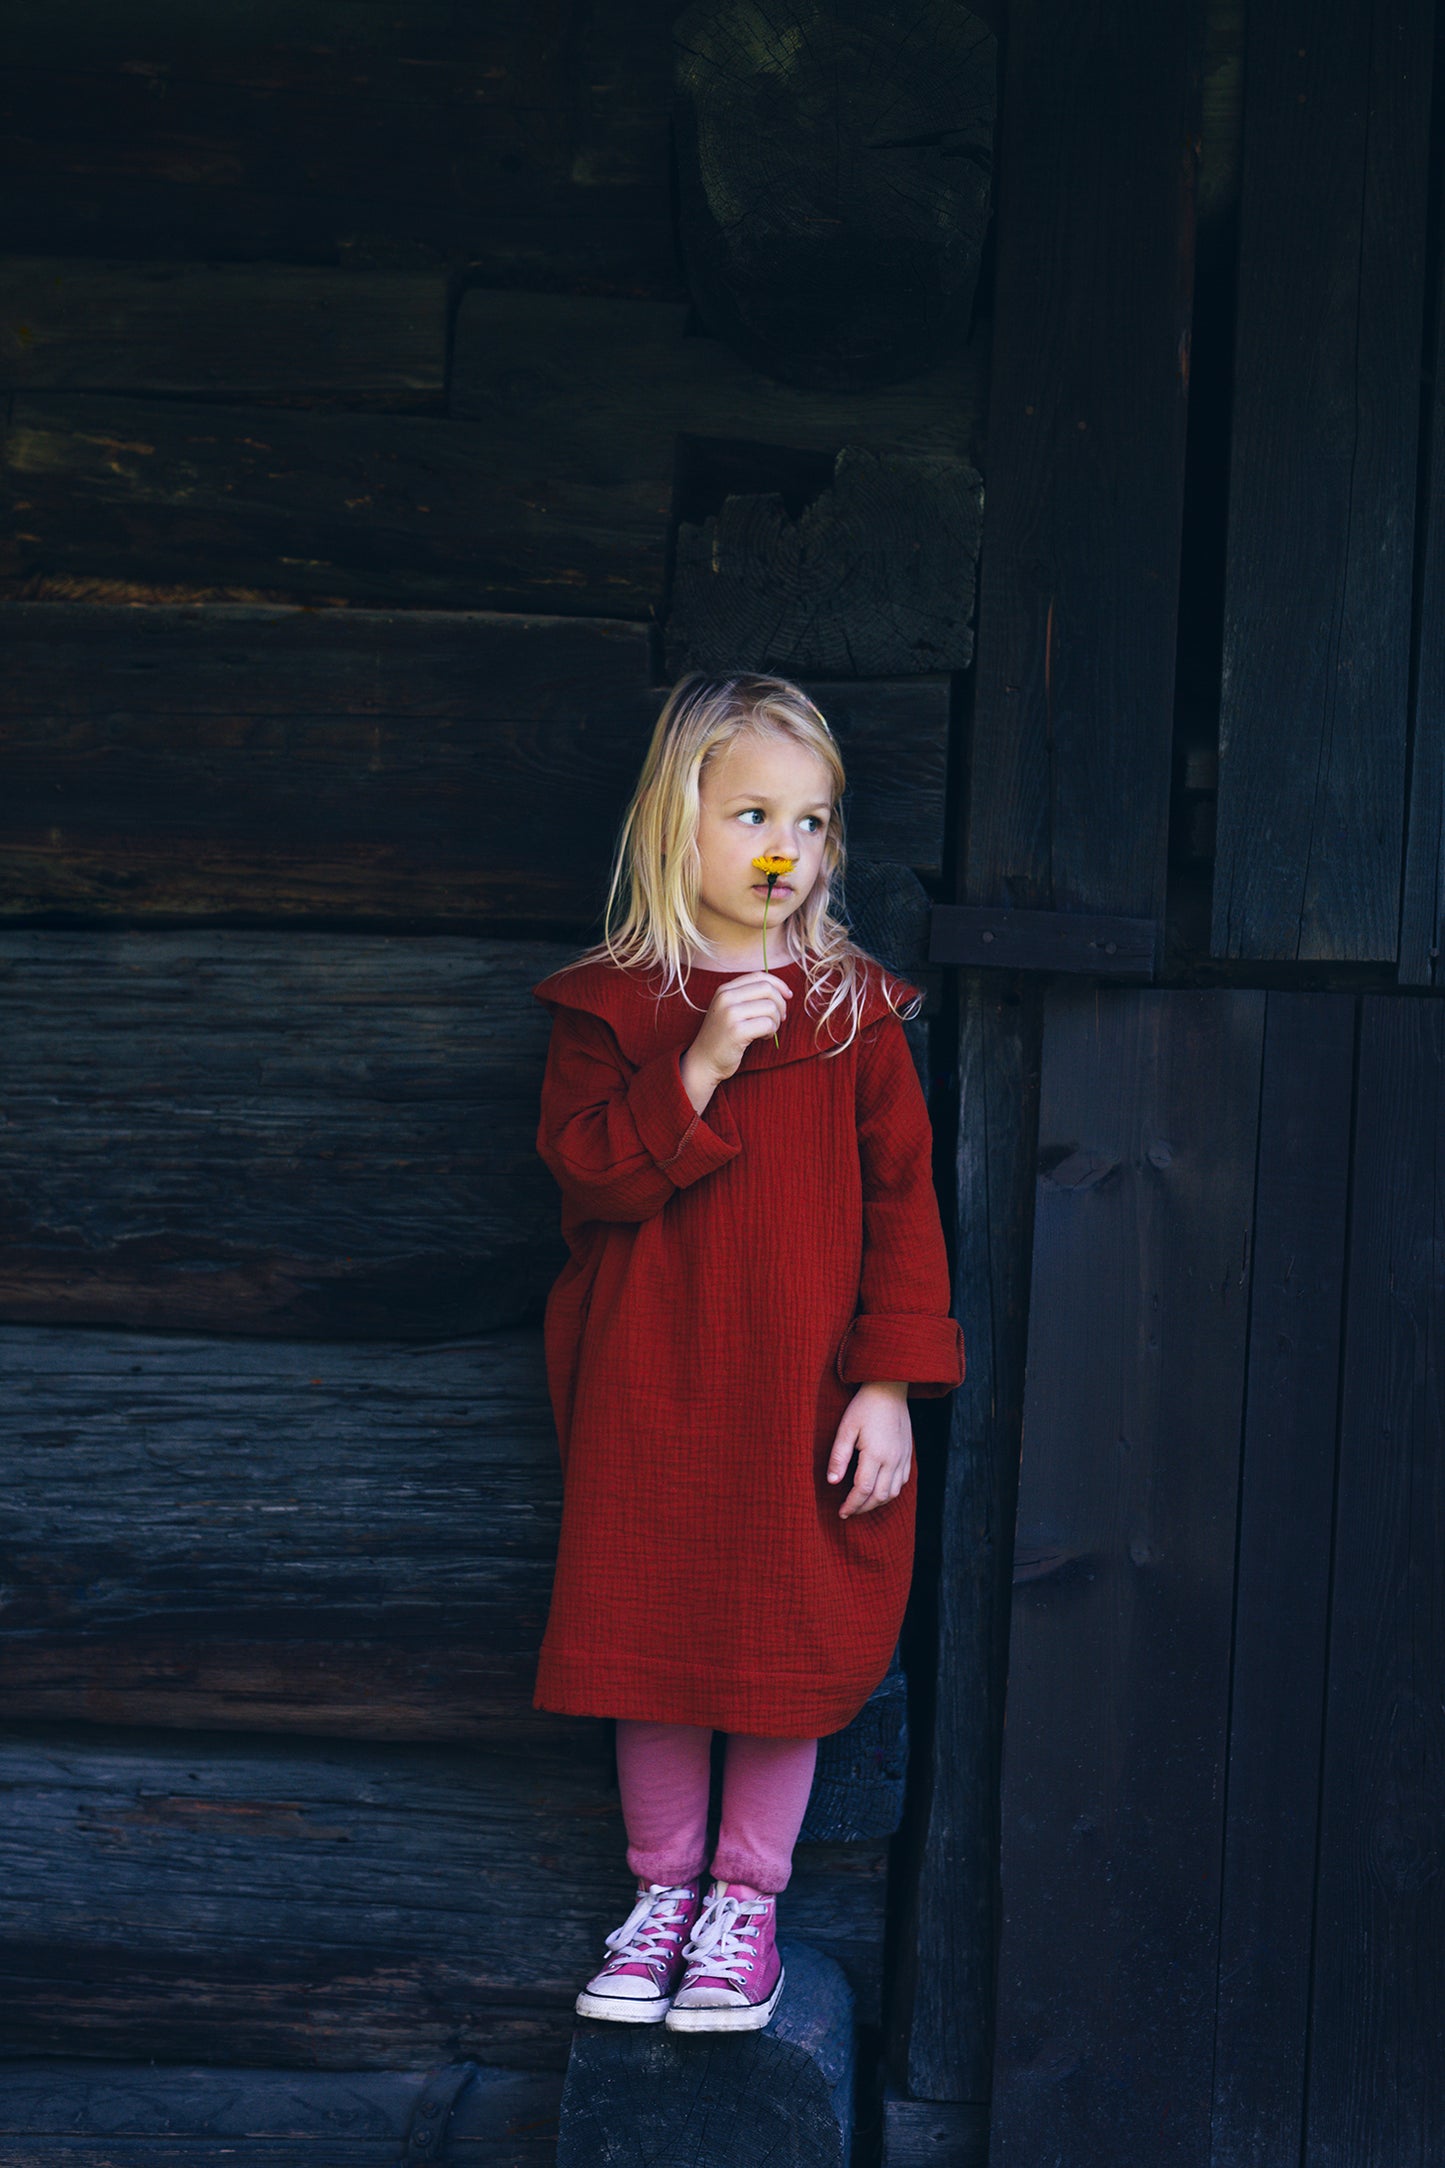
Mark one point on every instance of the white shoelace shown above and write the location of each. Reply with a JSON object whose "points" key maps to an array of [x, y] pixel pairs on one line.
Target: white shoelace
{"points": [[649, 1932], [717, 1938]]}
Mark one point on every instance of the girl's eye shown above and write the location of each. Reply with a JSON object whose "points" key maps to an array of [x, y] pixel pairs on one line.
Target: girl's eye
{"points": [[749, 811]]}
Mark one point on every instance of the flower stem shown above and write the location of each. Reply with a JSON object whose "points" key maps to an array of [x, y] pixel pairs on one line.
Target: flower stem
{"points": [[766, 901]]}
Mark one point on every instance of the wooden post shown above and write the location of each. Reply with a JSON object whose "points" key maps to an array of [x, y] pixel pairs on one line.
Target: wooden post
{"points": [[636, 2093]]}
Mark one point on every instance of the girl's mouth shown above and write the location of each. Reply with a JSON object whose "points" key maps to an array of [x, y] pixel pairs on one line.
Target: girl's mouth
{"points": [[780, 888]]}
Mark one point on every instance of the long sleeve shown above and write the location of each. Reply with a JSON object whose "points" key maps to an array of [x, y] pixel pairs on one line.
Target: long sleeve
{"points": [[904, 1327], [622, 1141]]}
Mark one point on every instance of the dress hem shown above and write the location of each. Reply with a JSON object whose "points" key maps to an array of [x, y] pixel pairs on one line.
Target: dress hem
{"points": [[650, 1704]]}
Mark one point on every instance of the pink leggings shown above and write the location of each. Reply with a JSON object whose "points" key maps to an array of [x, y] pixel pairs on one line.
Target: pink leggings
{"points": [[663, 1772]]}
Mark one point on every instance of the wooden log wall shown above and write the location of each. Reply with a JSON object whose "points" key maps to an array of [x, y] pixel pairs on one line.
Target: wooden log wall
{"points": [[369, 464]]}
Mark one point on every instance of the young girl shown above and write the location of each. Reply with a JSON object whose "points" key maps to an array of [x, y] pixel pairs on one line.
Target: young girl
{"points": [[756, 1284]]}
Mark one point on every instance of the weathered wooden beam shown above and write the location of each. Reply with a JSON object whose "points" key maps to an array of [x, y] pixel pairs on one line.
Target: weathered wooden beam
{"points": [[330, 1137], [832, 205], [368, 764], [1070, 762], [875, 576], [1119, 1657], [946, 1880], [347, 1541], [324, 507], [1377, 1976], [1323, 452], [974, 934], [333, 1906], [267, 331], [62, 2112], [933, 2133], [277, 1535], [782, 2094], [344, 131], [609, 384], [1422, 907], [1267, 1923]]}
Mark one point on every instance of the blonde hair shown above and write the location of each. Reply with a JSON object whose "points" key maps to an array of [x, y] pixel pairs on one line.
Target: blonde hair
{"points": [[649, 921]]}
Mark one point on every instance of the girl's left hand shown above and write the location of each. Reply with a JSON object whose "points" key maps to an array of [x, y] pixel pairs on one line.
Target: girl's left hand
{"points": [[876, 1421]]}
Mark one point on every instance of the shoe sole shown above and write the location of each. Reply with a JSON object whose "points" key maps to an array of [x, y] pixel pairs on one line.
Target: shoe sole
{"points": [[622, 2011], [742, 2017]]}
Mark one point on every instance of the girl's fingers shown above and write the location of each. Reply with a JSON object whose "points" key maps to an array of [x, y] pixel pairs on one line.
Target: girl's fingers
{"points": [[883, 1484], [841, 1454]]}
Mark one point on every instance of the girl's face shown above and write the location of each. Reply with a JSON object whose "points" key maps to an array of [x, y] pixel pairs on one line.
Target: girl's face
{"points": [[760, 796]]}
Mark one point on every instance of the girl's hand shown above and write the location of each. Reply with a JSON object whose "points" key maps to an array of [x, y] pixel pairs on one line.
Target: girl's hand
{"points": [[751, 1006], [876, 1420]]}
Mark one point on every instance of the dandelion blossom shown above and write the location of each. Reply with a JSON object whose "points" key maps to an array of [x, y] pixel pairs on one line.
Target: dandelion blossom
{"points": [[774, 868]]}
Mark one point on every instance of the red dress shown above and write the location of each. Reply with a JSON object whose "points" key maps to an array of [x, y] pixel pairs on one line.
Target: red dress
{"points": [[733, 1277]]}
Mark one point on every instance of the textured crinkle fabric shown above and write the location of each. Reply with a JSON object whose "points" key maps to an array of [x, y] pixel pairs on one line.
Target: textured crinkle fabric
{"points": [[732, 1277]]}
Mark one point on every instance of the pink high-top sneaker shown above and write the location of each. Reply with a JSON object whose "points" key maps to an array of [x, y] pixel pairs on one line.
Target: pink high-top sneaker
{"points": [[734, 1973], [635, 1986]]}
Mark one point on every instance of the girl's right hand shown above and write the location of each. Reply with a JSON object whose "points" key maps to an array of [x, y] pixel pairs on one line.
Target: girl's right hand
{"points": [[751, 1006]]}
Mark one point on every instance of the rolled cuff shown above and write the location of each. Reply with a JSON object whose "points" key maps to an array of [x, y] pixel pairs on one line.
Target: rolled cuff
{"points": [[925, 1349], [670, 1127]]}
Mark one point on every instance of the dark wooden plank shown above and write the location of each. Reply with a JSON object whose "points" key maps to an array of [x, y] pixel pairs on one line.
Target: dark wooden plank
{"points": [[57, 2110], [224, 760], [1282, 1582], [319, 506], [1376, 2068], [333, 1906], [1422, 908], [265, 331], [832, 207], [1322, 480], [347, 130], [933, 2133], [1068, 804], [875, 576], [941, 2036], [278, 1536], [1119, 1657], [330, 1137], [1090, 941], [784, 2094], [568, 368]]}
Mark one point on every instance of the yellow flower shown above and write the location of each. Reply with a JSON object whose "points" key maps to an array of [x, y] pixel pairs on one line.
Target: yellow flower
{"points": [[772, 867]]}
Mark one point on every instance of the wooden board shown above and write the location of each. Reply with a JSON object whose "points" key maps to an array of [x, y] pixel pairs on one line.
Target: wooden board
{"points": [[1376, 2070], [62, 2112], [264, 331], [1286, 1503], [947, 1887], [278, 1535], [1068, 804], [325, 1136], [1422, 907], [272, 504], [332, 1906], [445, 767], [346, 131], [1322, 481], [609, 384], [933, 2133], [1119, 1658]]}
